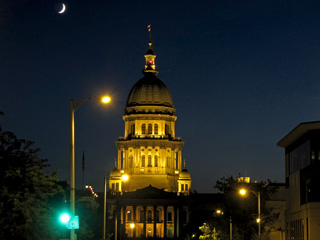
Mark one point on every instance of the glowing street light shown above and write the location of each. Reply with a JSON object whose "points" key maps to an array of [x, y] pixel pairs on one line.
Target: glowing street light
{"points": [[106, 99], [74, 105], [243, 192]]}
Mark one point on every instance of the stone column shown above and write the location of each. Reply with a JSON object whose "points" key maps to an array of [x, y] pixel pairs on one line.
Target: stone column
{"points": [[179, 160], [119, 159], [124, 225], [145, 221], [134, 220], [165, 221], [154, 221], [175, 222]]}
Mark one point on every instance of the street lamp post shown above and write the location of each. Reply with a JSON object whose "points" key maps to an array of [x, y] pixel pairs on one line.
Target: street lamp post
{"points": [[74, 105], [124, 178], [243, 192], [230, 222]]}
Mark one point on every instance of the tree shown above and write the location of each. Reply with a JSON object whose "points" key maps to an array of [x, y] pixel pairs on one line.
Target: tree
{"points": [[27, 191], [209, 232], [243, 211]]}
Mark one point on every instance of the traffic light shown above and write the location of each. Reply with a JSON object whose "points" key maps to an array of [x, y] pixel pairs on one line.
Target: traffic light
{"points": [[64, 218]]}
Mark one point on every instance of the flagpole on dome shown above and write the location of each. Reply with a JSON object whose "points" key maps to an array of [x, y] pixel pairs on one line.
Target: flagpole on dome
{"points": [[149, 30]]}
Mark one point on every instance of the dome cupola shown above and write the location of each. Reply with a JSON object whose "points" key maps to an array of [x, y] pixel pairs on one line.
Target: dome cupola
{"points": [[150, 94]]}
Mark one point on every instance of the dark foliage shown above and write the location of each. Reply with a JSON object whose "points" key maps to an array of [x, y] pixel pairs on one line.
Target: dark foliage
{"points": [[243, 209], [28, 192]]}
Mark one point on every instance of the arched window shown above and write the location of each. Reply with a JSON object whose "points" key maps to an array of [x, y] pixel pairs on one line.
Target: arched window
{"points": [[143, 129], [141, 215], [143, 161], [149, 161], [149, 128], [156, 129], [156, 161], [129, 215], [149, 215], [168, 162]]}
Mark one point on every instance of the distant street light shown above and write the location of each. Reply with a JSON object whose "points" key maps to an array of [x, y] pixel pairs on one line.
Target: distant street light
{"points": [[243, 192], [74, 105]]}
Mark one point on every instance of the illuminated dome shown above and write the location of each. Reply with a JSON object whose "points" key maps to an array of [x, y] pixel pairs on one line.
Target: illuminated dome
{"points": [[149, 90], [184, 174], [115, 173]]}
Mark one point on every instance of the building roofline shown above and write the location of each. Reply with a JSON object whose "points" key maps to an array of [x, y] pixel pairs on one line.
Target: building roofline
{"points": [[297, 132]]}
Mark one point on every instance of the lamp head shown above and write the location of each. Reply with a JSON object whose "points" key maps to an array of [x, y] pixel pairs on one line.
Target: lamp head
{"points": [[242, 191], [105, 99], [219, 211]]}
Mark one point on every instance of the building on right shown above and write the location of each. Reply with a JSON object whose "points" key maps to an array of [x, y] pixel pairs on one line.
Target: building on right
{"points": [[302, 173]]}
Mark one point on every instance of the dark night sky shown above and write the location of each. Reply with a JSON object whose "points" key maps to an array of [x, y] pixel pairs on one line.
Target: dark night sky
{"points": [[242, 74]]}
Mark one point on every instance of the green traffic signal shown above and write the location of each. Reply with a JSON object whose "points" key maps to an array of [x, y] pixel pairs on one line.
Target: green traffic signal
{"points": [[64, 218]]}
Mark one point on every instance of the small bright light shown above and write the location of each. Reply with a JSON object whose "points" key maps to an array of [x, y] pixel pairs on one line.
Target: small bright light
{"points": [[218, 211], [258, 220], [64, 218], [242, 191], [132, 225], [106, 99], [125, 177], [193, 235]]}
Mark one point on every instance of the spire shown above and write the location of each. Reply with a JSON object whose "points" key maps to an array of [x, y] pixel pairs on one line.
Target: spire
{"points": [[150, 57]]}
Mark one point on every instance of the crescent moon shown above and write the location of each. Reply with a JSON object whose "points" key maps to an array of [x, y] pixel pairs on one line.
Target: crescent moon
{"points": [[63, 9]]}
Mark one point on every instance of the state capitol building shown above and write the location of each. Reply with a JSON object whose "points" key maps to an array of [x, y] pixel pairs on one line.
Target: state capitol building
{"points": [[150, 154]]}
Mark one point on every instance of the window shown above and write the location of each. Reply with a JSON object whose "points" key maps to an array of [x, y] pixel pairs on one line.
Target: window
{"points": [[113, 186], [158, 215], [141, 213], [187, 188], [156, 129], [129, 215], [143, 161], [168, 162], [169, 216], [149, 161], [149, 215], [130, 161], [143, 129], [182, 187], [149, 128], [117, 187], [133, 132], [156, 161]]}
